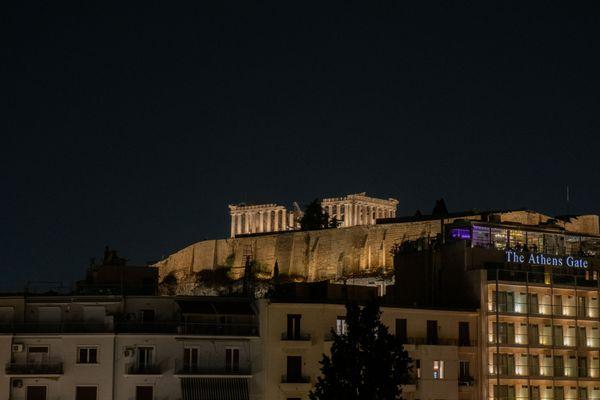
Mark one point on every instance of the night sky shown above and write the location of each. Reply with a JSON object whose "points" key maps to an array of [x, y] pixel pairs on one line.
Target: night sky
{"points": [[135, 125]]}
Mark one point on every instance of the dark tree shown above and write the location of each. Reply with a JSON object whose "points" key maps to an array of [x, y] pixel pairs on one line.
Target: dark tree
{"points": [[314, 217], [366, 363], [440, 207]]}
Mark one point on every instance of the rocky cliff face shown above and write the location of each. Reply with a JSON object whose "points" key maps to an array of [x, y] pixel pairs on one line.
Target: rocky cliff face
{"points": [[324, 254]]}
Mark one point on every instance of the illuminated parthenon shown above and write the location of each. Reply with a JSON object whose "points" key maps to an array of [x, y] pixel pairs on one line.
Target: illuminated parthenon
{"points": [[350, 210]]}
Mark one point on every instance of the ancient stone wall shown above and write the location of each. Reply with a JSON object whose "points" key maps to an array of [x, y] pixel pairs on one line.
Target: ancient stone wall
{"points": [[328, 253]]}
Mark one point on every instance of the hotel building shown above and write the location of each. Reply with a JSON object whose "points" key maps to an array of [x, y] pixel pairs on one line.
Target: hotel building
{"points": [[538, 292]]}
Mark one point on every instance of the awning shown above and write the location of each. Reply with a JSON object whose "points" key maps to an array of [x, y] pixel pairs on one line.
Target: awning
{"points": [[214, 388]]}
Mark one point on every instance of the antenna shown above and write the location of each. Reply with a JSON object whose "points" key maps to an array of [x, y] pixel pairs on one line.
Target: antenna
{"points": [[568, 195]]}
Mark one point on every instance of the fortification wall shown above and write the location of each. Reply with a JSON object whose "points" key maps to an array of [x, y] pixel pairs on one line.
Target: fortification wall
{"points": [[328, 253]]}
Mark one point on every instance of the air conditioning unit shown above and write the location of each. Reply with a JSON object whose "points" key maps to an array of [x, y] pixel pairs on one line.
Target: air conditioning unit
{"points": [[17, 347], [17, 383]]}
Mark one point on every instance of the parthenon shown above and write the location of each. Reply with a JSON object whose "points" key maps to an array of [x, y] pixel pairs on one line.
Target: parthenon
{"points": [[351, 210]]}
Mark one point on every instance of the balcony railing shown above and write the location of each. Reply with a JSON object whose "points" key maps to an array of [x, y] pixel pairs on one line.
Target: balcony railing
{"points": [[189, 328], [144, 369], [466, 381], [295, 379], [58, 327], [295, 337], [182, 368], [48, 367], [544, 309], [568, 341], [544, 371], [544, 279], [439, 341]]}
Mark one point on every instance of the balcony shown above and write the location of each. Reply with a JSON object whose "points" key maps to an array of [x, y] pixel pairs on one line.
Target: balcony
{"points": [[295, 383], [56, 327], [466, 381], [296, 341], [145, 369], [523, 371], [189, 328], [215, 371], [51, 367]]}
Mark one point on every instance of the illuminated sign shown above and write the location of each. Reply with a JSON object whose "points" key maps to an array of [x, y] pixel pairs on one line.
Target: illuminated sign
{"points": [[542, 259]]}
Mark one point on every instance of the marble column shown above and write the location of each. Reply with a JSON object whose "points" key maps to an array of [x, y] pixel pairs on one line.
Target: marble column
{"points": [[330, 211], [261, 224], [283, 220], [239, 224], [232, 234], [246, 222], [269, 213]]}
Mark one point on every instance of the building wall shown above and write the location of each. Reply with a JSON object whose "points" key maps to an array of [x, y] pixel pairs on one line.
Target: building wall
{"points": [[317, 321]]}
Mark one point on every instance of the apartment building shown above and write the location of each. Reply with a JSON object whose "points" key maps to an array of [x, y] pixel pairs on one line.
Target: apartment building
{"points": [[128, 347], [297, 332]]}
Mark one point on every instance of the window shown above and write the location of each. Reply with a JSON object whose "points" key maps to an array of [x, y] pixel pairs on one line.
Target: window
{"points": [[418, 368], [147, 316], [86, 393], [340, 325], [87, 355], [144, 393], [432, 332], [438, 369], [401, 331], [463, 371], [232, 360], [294, 369], [145, 356], [293, 326], [36, 393], [37, 354], [463, 334], [190, 358]]}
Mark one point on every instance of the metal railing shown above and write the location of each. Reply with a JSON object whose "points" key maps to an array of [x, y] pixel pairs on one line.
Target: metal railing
{"points": [[523, 339], [295, 379], [544, 371], [57, 327], [295, 336], [543, 309], [46, 367], [183, 368], [144, 369], [189, 328]]}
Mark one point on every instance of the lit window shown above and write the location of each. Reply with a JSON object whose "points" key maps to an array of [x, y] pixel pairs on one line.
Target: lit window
{"points": [[438, 369], [340, 325]]}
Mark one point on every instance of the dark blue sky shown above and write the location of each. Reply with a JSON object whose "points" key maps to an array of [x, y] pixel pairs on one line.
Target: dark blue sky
{"points": [[136, 125]]}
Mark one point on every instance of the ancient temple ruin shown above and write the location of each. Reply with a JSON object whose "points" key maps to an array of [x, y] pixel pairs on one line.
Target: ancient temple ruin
{"points": [[350, 210]]}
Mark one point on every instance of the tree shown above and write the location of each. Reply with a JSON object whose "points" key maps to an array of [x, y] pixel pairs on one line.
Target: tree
{"points": [[366, 363], [314, 217]]}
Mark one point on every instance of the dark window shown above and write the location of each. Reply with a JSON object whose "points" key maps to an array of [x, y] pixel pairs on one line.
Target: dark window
{"points": [[401, 330], [293, 326], [432, 332], [147, 316], [87, 355], [294, 369], [85, 393], [36, 392], [464, 372], [232, 360], [463, 334], [144, 393]]}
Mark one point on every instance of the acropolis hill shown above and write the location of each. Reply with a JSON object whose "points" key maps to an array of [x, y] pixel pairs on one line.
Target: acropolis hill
{"points": [[369, 230]]}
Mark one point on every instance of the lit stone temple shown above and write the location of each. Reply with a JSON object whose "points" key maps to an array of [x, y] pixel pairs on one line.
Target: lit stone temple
{"points": [[351, 210]]}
